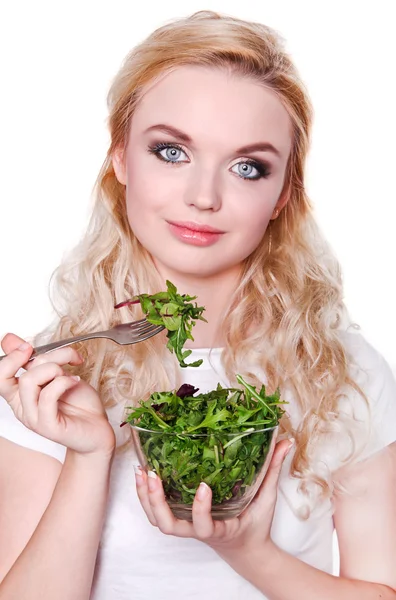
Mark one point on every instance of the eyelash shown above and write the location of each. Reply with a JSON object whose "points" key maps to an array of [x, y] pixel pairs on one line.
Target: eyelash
{"points": [[262, 168]]}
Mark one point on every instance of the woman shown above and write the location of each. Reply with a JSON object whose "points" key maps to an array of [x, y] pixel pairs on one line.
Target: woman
{"points": [[203, 185]]}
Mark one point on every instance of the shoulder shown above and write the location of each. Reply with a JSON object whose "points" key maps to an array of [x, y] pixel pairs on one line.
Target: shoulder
{"points": [[367, 365], [372, 373], [358, 347]]}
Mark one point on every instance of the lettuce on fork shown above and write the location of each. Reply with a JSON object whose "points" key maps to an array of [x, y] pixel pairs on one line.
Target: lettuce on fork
{"points": [[176, 312]]}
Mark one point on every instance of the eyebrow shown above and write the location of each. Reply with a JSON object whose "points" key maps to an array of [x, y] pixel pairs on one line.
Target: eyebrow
{"points": [[185, 138]]}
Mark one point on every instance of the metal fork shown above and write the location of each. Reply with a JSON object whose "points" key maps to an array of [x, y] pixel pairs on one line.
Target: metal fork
{"points": [[125, 334]]}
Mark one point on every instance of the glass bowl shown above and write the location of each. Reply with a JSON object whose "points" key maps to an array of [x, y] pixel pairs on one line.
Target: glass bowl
{"points": [[232, 464]]}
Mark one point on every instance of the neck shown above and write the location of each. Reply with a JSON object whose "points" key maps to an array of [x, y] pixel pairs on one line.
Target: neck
{"points": [[215, 293]]}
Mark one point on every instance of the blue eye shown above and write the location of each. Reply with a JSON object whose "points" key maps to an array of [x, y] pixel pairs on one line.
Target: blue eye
{"points": [[248, 169], [251, 169], [170, 153]]}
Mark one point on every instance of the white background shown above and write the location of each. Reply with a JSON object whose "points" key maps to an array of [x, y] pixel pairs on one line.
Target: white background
{"points": [[57, 61]]}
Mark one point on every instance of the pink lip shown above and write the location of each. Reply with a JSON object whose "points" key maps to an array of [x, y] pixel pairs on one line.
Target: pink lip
{"points": [[195, 233], [195, 226]]}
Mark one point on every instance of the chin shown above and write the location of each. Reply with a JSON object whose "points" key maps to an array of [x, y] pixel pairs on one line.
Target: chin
{"points": [[197, 268]]}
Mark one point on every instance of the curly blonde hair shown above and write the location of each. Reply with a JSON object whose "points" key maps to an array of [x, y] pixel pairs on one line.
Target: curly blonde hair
{"points": [[292, 293]]}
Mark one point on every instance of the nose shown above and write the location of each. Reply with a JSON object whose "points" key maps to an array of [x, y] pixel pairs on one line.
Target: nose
{"points": [[203, 191]]}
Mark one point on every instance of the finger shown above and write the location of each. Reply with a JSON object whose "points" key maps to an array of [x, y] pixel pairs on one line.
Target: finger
{"points": [[201, 512], [10, 342], [30, 388], [272, 476], [266, 496], [65, 355], [166, 521], [48, 408], [142, 492], [265, 499], [9, 366], [61, 356]]}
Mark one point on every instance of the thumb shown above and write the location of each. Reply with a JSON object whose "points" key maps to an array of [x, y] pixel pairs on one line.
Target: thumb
{"points": [[10, 342], [264, 502], [272, 477]]}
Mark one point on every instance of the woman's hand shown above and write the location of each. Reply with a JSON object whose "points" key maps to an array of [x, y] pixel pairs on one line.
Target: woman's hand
{"points": [[50, 402], [233, 539]]}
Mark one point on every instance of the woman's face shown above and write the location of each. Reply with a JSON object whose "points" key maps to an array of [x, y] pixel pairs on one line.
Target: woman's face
{"points": [[204, 169]]}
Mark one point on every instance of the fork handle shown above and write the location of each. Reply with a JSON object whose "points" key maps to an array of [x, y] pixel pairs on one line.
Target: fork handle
{"points": [[62, 343]]}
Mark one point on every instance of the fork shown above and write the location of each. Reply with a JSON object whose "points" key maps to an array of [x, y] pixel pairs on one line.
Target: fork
{"points": [[124, 334]]}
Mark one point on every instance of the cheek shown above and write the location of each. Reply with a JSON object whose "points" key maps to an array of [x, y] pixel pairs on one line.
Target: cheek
{"points": [[253, 207], [254, 235], [253, 222], [141, 192], [253, 217], [140, 198], [150, 187], [258, 223]]}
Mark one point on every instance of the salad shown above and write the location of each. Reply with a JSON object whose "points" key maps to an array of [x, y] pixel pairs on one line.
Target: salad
{"points": [[221, 437]]}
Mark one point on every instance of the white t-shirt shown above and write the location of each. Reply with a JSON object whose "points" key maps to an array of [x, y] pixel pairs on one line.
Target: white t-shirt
{"points": [[136, 561]]}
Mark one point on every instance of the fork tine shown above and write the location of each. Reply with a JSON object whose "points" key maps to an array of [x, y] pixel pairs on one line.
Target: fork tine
{"points": [[149, 334], [148, 329], [133, 324], [141, 336], [133, 333], [124, 334], [142, 328]]}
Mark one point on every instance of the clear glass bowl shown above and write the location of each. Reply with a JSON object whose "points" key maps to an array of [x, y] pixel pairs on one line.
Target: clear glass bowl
{"points": [[232, 464]]}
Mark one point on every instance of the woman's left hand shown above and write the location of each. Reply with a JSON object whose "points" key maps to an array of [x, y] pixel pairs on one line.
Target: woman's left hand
{"points": [[250, 531]]}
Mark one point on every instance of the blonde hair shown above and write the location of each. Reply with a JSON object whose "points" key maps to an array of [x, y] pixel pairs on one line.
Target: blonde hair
{"points": [[293, 293]]}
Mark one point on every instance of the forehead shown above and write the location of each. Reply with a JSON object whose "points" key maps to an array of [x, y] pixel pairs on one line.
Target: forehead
{"points": [[211, 104]]}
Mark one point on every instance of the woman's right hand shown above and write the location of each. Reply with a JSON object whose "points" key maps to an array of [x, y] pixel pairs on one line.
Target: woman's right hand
{"points": [[49, 402]]}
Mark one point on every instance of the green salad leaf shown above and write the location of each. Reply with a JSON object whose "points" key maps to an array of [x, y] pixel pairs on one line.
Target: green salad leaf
{"points": [[221, 437], [177, 313]]}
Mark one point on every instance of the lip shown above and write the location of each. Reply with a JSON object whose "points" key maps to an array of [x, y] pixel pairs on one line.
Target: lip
{"points": [[200, 227], [194, 234]]}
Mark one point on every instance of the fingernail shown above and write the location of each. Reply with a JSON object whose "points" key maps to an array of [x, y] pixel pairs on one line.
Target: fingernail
{"points": [[202, 491], [138, 474], [75, 377], [24, 346], [152, 481], [291, 444]]}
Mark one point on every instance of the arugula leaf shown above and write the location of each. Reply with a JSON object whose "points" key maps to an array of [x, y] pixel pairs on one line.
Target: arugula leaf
{"points": [[177, 313], [215, 437], [211, 419]]}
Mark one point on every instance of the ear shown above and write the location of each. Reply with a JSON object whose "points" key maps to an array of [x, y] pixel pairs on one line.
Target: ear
{"points": [[118, 160], [283, 200]]}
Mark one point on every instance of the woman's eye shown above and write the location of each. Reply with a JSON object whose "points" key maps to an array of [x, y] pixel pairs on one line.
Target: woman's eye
{"points": [[169, 153], [250, 170]]}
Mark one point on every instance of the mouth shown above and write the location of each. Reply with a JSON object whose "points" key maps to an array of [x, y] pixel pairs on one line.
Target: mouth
{"points": [[195, 234], [199, 227]]}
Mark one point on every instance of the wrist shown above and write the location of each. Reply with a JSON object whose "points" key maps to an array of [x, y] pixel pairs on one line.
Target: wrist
{"points": [[99, 457], [252, 561]]}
